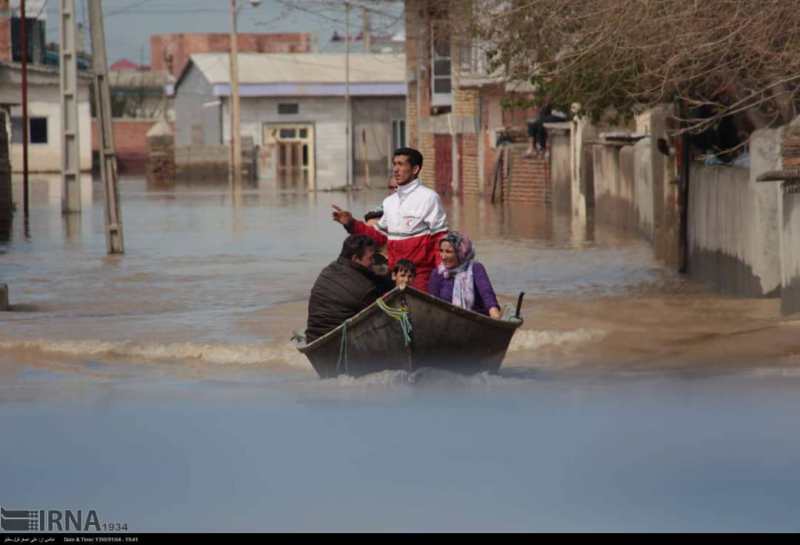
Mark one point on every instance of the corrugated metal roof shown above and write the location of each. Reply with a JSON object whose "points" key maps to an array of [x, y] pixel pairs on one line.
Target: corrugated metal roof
{"points": [[260, 68]]}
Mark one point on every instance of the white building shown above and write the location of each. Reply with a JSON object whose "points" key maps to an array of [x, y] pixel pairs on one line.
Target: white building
{"points": [[293, 106], [44, 113]]}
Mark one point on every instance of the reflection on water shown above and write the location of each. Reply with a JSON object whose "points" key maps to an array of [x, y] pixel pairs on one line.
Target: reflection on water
{"points": [[630, 400]]}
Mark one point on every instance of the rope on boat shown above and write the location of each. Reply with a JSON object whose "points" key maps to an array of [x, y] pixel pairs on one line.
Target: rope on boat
{"points": [[399, 314], [342, 350]]}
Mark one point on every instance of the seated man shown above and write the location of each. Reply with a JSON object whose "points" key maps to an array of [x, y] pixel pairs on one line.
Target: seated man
{"points": [[343, 289], [537, 131], [381, 274]]}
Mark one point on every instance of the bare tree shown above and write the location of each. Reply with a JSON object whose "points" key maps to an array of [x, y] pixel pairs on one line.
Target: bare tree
{"points": [[735, 57]]}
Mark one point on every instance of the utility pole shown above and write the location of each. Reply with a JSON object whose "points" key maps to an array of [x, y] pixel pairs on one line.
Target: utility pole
{"points": [[70, 134], [367, 32], [23, 38], [348, 121], [108, 157], [236, 136]]}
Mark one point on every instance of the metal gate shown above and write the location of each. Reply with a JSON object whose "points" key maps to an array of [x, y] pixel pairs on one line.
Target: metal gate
{"points": [[443, 148]]}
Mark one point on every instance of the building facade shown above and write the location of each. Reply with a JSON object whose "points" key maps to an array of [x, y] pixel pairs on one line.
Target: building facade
{"points": [[44, 117], [293, 110], [44, 93], [456, 110]]}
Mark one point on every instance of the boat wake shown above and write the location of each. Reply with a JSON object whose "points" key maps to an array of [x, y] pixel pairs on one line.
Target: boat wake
{"points": [[532, 339], [270, 354], [425, 377]]}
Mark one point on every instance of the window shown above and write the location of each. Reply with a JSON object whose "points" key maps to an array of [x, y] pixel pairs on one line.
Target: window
{"points": [[37, 130], [440, 66], [472, 59], [288, 133], [398, 133], [288, 109], [35, 29], [38, 133], [16, 130]]}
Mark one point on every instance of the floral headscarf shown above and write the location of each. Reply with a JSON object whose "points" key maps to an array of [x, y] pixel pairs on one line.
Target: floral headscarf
{"points": [[463, 247], [463, 283]]}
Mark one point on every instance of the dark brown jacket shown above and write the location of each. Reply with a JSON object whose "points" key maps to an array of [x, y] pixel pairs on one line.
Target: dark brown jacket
{"points": [[342, 290]]}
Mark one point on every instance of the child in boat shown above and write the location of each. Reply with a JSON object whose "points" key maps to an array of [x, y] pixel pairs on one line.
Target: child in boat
{"points": [[403, 273], [461, 280]]}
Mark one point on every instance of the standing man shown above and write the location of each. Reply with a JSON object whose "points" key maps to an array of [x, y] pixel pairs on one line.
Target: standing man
{"points": [[413, 219]]}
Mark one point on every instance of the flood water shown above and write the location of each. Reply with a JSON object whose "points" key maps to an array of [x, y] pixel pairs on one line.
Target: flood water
{"points": [[160, 387]]}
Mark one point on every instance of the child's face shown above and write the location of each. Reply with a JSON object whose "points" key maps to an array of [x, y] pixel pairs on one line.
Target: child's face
{"points": [[402, 278]]}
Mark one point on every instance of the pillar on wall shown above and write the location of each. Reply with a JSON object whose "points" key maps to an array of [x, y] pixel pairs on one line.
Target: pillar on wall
{"points": [[790, 223], [6, 199], [581, 159]]}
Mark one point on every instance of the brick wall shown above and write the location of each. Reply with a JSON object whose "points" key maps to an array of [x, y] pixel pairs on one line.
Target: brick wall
{"points": [[466, 102], [528, 179], [791, 149], [428, 152], [183, 45], [130, 139], [411, 116], [417, 41], [5, 32], [469, 164]]}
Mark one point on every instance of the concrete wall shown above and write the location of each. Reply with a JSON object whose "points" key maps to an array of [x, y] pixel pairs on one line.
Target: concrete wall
{"points": [[790, 224], [560, 173], [198, 116], [616, 186], [734, 236], [635, 186], [790, 248], [582, 168]]}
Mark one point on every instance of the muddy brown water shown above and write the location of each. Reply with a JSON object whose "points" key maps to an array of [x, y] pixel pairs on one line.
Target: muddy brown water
{"points": [[160, 387]]}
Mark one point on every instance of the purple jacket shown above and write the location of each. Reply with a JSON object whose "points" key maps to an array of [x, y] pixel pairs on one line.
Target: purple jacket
{"points": [[442, 287]]}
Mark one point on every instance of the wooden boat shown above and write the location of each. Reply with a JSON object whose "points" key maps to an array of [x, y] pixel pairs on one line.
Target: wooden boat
{"points": [[442, 336]]}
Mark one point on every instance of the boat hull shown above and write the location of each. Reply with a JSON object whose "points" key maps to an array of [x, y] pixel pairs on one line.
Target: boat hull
{"points": [[442, 337]]}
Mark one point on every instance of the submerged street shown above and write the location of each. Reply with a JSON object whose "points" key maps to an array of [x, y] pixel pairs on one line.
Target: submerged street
{"points": [[161, 388]]}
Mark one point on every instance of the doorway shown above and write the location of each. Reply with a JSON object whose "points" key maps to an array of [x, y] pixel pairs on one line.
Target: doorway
{"points": [[292, 148]]}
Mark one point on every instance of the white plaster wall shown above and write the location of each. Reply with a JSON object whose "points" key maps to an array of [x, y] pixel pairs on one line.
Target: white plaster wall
{"points": [[644, 175], [195, 104], [560, 168], [627, 182], [582, 130], [327, 115], [731, 213], [46, 102], [606, 171], [790, 241], [766, 153]]}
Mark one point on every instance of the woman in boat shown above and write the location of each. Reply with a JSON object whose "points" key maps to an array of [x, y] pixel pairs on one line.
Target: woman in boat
{"points": [[460, 279]]}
